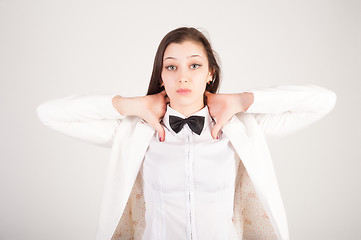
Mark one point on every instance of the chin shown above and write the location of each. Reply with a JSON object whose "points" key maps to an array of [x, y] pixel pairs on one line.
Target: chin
{"points": [[183, 102]]}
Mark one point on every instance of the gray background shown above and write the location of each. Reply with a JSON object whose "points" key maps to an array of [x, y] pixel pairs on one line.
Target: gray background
{"points": [[51, 184]]}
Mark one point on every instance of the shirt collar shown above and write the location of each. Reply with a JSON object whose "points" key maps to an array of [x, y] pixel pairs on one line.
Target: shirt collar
{"points": [[208, 120]]}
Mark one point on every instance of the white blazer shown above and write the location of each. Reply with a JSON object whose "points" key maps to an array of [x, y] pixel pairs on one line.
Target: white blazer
{"points": [[259, 212]]}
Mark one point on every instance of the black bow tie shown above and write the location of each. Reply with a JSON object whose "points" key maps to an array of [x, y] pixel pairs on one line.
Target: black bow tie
{"points": [[195, 123]]}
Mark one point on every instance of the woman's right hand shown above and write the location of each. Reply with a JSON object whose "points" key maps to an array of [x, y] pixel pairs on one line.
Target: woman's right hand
{"points": [[153, 109]]}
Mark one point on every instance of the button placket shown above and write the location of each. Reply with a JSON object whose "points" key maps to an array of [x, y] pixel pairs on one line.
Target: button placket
{"points": [[190, 183]]}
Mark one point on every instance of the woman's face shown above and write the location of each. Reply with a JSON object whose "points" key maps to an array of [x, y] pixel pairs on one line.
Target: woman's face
{"points": [[185, 66]]}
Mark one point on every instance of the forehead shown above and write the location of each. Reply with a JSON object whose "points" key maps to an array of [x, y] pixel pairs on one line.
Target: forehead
{"points": [[184, 49]]}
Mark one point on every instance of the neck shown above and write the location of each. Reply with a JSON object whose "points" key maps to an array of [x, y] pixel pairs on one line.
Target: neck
{"points": [[187, 110]]}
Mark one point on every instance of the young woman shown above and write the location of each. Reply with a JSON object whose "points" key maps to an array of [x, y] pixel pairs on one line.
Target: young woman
{"points": [[187, 162]]}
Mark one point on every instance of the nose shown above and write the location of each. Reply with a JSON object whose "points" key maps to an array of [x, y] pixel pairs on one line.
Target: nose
{"points": [[183, 77], [183, 80]]}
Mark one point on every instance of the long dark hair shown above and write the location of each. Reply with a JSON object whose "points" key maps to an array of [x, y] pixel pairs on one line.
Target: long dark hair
{"points": [[180, 35]]}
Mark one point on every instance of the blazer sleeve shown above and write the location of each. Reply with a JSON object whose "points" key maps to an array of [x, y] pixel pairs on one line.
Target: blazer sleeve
{"points": [[284, 109], [91, 118]]}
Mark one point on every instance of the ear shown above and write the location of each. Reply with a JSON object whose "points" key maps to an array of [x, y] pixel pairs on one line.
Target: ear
{"points": [[210, 74]]}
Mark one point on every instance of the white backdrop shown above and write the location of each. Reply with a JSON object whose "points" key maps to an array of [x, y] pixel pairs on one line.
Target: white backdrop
{"points": [[51, 184]]}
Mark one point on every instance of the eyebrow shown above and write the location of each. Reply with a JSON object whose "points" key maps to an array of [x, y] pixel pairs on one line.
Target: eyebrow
{"points": [[194, 55]]}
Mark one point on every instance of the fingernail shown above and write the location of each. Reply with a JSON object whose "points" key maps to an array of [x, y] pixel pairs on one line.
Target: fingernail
{"points": [[160, 139], [217, 137]]}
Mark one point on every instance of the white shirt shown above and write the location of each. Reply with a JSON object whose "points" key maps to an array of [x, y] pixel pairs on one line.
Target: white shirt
{"points": [[189, 184]]}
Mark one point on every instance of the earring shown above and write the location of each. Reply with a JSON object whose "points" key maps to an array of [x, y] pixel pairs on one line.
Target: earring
{"points": [[210, 82]]}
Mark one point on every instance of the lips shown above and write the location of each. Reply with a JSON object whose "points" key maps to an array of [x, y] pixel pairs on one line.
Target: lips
{"points": [[183, 91]]}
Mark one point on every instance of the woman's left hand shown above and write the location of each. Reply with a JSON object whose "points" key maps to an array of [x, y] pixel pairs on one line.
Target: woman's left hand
{"points": [[222, 107]]}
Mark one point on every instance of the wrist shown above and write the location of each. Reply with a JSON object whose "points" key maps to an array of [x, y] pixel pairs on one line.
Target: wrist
{"points": [[128, 106], [242, 101], [247, 99]]}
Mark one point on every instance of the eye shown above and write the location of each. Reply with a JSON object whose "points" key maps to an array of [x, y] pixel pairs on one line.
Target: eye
{"points": [[196, 65], [169, 67]]}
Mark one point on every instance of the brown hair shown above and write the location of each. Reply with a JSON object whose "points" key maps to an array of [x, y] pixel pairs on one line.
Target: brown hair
{"points": [[180, 35]]}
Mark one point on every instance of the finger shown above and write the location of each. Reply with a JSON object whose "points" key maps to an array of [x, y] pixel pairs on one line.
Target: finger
{"points": [[217, 127], [155, 123], [161, 132], [214, 131]]}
